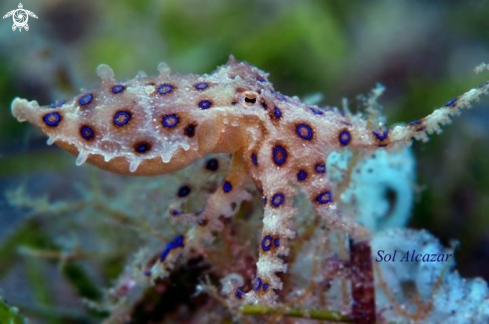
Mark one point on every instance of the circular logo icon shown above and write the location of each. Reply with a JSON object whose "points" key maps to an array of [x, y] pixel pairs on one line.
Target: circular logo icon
{"points": [[20, 17]]}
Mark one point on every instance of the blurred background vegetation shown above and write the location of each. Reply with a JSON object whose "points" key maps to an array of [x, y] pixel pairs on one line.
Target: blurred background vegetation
{"points": [[424, 53]]}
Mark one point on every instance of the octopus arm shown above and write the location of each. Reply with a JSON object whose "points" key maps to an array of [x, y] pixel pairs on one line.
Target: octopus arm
{"points": [[402, 135], [222, 204]]}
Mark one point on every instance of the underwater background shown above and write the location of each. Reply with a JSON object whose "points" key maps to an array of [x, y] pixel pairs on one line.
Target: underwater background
{"points": [[423, 52]]}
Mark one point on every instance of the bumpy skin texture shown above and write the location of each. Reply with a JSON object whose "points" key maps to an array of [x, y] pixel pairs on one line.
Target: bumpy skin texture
{"points": [[156, 125]]}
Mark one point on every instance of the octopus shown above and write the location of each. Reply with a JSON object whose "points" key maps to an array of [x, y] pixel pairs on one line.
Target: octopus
{"points": [[156, 125]]}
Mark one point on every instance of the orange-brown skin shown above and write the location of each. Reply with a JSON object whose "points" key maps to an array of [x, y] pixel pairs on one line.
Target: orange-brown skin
{"points": [[173, 120]]}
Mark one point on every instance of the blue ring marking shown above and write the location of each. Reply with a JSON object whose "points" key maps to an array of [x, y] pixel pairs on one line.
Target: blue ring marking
{"points": [[381, 135], [170, 121], [279, 155], [164, 88], [324, 198], [417, 122], [451, 102], [227, 186], [147, 273], [239, 293], [254, 159], [85, 99], [304, 131], [264, 199], [124, 115], [276, 242], [316, 111], [52, 119], [265, 287], [183, 191], [301, 175], [320, 168], [118, 88], [173, 244], [278, 199], [57, 104], [277, 112], [201, 85], [176, 242], [344, 137], [279, 97], [264, 105], [175, 212], [87, 133], [205, 104], [260, 79], [142, 147], [266, 243], [257, 285]]}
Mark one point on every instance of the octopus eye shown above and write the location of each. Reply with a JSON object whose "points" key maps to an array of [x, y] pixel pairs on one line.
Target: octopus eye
{"points": [[249, 98]]}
